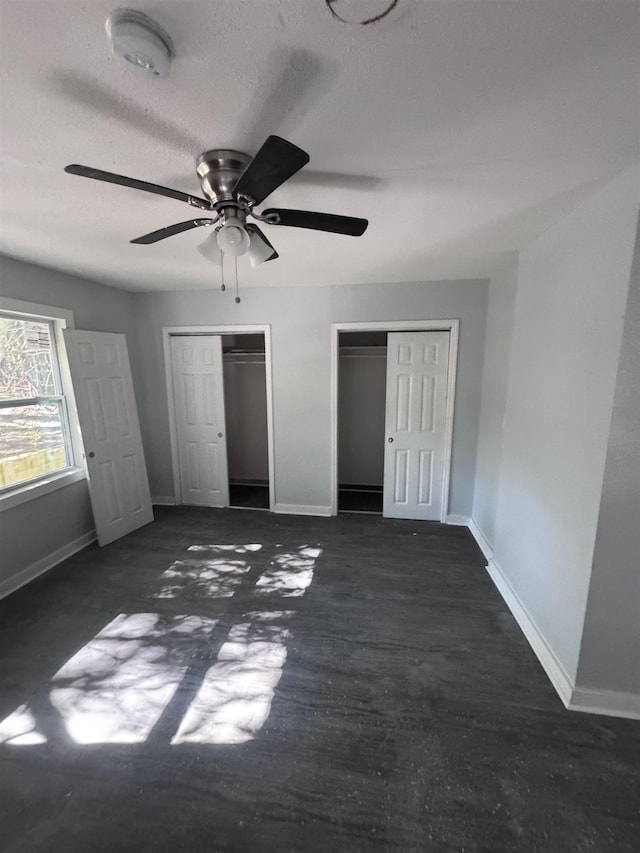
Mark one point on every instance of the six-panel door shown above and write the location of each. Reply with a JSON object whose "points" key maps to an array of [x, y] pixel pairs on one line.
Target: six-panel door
{"points": [[415, 436], [103, 389], [200, 419]]}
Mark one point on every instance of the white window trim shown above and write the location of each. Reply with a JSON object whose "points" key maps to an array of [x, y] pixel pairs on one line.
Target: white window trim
{"points": [[62, 319]]}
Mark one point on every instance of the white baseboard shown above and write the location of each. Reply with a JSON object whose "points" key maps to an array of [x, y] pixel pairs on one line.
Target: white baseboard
{"points": [[609, 702], [556, 672], [458, 520], [481, 539], [301, 509], [163, 500], [588, 700], [43, 565]]}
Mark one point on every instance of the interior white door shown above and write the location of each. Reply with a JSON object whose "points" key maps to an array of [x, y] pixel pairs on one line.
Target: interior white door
{"points": [[415, 436], [198, 392], [118, 484]]}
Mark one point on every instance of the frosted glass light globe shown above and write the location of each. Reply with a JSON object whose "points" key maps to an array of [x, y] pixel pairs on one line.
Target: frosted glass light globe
{"points": [[232, 238]]}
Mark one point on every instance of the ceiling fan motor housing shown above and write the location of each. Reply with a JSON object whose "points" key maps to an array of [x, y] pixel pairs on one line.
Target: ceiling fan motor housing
{"points": [[219, 171]]}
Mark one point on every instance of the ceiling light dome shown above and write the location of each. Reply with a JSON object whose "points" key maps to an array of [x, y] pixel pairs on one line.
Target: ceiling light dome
{"points": [[233, 238]]}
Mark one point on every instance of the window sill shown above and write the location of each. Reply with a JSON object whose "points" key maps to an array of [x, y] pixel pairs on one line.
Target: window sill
{"points": [[31, 491]]}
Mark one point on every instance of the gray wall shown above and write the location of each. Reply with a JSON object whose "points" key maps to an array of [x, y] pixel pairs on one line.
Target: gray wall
{"points": [[362, 391], [300, 319], [610, 653], [63, 515], [497, 352], [567, 331]]}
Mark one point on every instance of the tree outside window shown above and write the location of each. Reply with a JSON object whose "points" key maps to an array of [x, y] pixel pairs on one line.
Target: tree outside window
{"points": [[33, 422]]}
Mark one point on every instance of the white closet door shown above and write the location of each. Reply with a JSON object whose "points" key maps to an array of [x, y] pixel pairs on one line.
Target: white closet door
{"points": [[200, 420], [118, 484], [417, 368]]}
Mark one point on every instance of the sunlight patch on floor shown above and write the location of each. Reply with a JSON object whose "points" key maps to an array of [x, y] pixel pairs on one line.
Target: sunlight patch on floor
{"points": [[234, 700], [212, 578], [117, 686], [214, 572], [19, 728], [290, 574], [238, 549]]}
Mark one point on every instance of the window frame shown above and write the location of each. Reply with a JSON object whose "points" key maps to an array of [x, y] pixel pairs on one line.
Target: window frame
{"points": [[59, 319]]}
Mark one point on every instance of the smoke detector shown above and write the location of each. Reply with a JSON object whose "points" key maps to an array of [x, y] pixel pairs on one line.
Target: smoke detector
{"points": [[140, 41]]}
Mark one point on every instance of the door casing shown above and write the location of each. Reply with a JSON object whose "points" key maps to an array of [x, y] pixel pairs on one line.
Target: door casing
{"points": [[245, 329], [451, 326]]}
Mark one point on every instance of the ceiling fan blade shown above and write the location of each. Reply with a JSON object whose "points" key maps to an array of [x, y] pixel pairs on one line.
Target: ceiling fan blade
{"points": [[170, 230], [350, 225], [274, 163], [135, 184], [260, 249]]}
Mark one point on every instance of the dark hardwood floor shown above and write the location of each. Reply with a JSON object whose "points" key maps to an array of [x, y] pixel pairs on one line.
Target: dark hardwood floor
{"points": [[240, 681]]}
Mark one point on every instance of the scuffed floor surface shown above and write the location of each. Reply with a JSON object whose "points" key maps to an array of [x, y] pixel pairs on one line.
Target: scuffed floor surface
{"points": [[236, 681]]}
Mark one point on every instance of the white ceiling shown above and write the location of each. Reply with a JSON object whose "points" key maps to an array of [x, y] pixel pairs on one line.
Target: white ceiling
{"points": [[460, 128]]}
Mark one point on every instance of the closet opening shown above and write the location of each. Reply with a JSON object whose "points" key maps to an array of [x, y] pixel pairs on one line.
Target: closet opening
{"points": [[362, 365], [245, 399]]}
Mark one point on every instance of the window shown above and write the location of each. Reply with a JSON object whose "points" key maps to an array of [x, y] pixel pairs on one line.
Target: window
{"points": [[35, 438]]}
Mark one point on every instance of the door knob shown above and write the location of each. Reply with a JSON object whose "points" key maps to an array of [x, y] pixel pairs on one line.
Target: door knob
{"points": [[219, 435], [91, 454], [390, 440]]}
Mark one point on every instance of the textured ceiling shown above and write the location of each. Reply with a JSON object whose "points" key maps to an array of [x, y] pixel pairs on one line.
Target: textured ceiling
{"points": [[460, 129]]}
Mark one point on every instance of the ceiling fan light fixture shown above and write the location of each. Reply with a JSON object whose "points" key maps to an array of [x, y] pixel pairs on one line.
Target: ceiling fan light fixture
{"points": [[259, 251], [233, 238], [140, 41], [210, 250]]}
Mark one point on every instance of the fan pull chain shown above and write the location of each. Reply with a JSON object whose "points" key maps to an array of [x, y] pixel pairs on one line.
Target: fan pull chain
{"points": [[224, 287], [237, 297]]}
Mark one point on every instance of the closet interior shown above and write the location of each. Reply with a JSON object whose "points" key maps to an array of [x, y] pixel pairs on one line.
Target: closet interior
{"points": [[362, 368], [245, 395]]}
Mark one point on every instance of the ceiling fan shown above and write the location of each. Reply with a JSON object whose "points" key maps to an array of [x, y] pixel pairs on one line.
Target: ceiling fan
{"points": [[234, 184]]}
